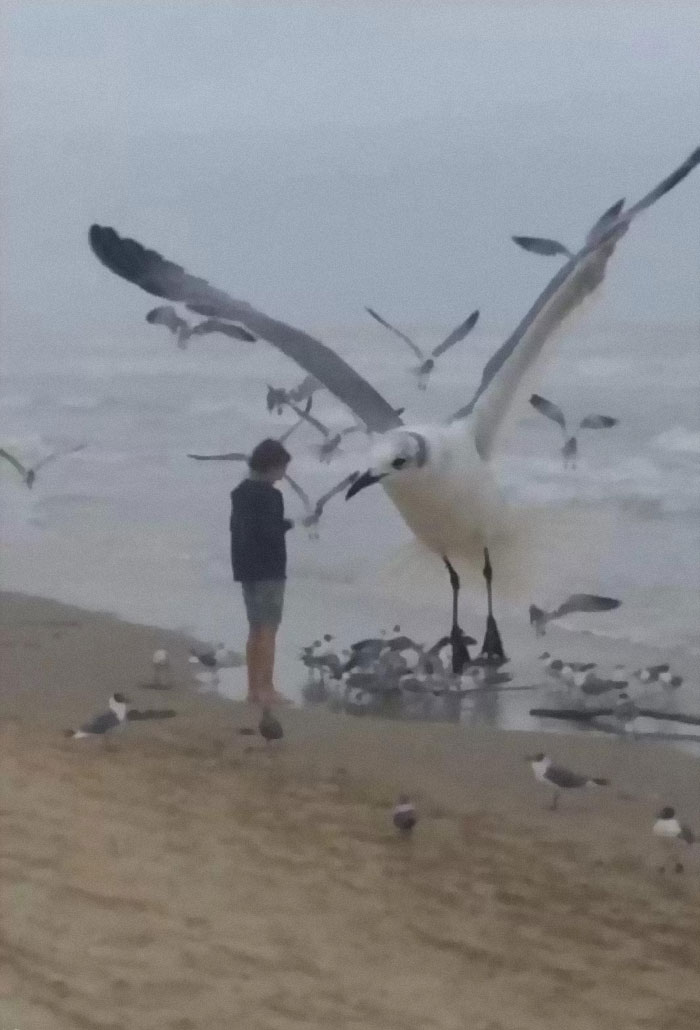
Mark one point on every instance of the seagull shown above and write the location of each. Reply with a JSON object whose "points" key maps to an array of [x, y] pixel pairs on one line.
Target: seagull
{"points": [[573, 603], [183, 331], [439, 477], [670, 681], [161, 667], [101, 724], [672, 835], [332, 440], [206, 658], [278, 397], [553, 411], [550, 248], [239, 455], [404, 816], [270, 727], [29, 474], [427, 361], [315, 511], [651, 673], [559, 778], [625, 713]]}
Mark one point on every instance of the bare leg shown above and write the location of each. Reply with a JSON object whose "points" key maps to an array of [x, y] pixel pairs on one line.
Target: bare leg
{"points": [[252, 653], [266, 663]]}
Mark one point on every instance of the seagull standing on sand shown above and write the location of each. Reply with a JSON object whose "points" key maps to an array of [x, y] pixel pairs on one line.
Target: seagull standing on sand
{"points": [[570, 449], [673, 836], [439, 477], [404, 816], [29, 474], [107, 721], [161, 668], [559, 778], [427, 361]]}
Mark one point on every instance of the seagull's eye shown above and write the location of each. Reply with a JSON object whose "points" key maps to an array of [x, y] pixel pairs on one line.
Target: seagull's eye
{"points": [[398, 463]]}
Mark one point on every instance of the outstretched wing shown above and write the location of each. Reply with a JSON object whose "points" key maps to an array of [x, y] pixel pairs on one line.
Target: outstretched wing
{"points": [[598, 422], [305, 389], [13, 461], [166, 315], [605, 220], [58, 454], [338, 488], [301, 494], [503, 380], [233, 456], [215, 325], [457, 334], [549, 409], [585, 603], [306, 417], [541, 245], [397, 332], [153, 273]]}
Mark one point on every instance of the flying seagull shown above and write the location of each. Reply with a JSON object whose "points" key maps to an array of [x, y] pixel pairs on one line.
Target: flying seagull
{"points": [[574, 603], [239, 455], [427, 361], [559, 778], [414, 464], [553, 411], [29, 474], [550, 248], [101, 724], [183, 331], [278, 397], [314, 511], [331, 441]]}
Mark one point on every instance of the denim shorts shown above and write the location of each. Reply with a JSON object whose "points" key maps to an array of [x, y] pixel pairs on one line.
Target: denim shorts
{"points": [[264, 600]]}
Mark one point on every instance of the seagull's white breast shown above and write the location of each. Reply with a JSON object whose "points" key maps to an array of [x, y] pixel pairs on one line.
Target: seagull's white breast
{"points": [[451, 503]]}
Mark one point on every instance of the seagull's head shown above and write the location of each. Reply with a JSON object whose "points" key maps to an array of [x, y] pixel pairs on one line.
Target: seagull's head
{"points": [[394, 454], [667, 813]]}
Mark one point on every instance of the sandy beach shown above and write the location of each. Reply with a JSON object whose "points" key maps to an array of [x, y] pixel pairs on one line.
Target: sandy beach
{"points": [[183, 878]]}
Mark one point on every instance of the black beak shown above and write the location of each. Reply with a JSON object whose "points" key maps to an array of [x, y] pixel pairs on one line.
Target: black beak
{"points": [[366, 479]]}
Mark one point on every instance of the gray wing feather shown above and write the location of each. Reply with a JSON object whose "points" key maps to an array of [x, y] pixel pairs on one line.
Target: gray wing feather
{"points": [[578, 278], [585, 603], [13, 461], [397, 332], [605, 220], [58, 454], [541, 245], [301, 494], [101, 723], [215, 325], [233, 456], [567, 778], [457, 334], [342, 485], [598, 422], [154, 274], [549, 409]]}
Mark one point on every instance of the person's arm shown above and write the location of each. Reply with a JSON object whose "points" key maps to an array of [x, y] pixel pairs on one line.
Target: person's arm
{"points": [[269, 518]]}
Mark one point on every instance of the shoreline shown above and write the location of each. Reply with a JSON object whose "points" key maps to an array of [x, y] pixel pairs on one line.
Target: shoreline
{"points": [[183, 872]]}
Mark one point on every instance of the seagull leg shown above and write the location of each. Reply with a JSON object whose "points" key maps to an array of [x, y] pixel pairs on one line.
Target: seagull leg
{"points": [[460, 653], [492, 648], [555, 802]]}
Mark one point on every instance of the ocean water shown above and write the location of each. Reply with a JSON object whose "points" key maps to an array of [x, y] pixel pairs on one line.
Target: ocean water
{"points": [[131, 525]]}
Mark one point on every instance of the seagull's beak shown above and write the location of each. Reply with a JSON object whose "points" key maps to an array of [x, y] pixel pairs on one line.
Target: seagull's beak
{"points": [[366, 479]]}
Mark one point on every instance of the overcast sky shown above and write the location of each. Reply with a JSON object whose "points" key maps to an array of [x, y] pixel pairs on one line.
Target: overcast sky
{"points": [[316, 157]]}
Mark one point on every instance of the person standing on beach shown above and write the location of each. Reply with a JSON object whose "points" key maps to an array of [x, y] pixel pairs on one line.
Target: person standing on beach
{"points": [[259, 559]]}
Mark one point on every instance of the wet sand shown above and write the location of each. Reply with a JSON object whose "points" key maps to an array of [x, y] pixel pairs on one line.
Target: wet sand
{"points": [[183, 877]]}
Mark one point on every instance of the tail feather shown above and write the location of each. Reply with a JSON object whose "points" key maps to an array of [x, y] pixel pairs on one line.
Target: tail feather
{"points": [[599, 781]]}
